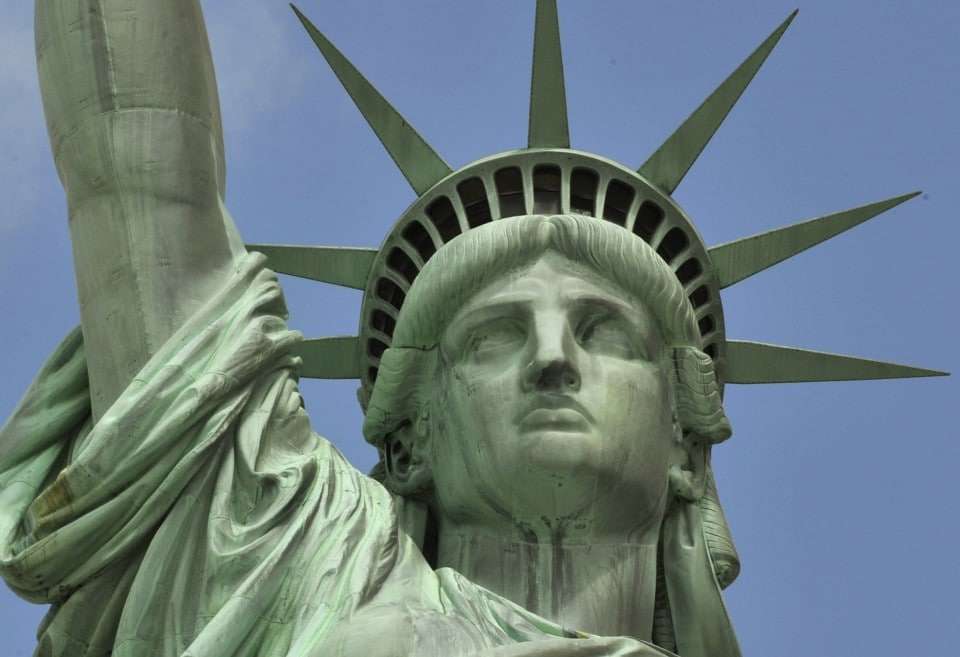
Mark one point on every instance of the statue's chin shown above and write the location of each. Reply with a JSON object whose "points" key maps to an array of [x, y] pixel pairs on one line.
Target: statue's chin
{"points": [[567, 454], [560, 480], [558, 455]]}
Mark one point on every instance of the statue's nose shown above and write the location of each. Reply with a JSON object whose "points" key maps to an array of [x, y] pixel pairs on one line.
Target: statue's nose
{"points": [[555, 376], [554, 366]]}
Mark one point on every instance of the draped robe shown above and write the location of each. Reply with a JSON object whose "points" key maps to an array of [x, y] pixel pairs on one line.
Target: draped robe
{"points": [[201, 516]]}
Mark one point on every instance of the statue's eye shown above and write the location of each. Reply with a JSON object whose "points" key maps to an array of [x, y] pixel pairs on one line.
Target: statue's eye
{"points": [[607, 333], [495, 338]]}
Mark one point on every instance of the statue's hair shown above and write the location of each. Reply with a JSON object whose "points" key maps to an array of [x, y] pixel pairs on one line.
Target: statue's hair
{"points": [[477, 258], [480, 256]]}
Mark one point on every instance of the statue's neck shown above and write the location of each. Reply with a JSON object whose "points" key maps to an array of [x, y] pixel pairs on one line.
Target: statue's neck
{"points": [[605, 588]]}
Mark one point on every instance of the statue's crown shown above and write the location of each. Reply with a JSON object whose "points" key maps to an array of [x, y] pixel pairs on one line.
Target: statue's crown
{"points": [[549, 177]]}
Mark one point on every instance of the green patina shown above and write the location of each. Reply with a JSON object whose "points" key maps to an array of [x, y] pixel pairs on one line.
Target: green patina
{"points": [[524, 368]]}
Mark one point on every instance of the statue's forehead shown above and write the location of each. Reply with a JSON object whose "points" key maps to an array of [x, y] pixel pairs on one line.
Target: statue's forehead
{"points": [[551, 279]]}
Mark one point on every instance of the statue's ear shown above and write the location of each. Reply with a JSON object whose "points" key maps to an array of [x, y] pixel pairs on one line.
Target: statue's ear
{"points": [[699, 421], [405, 460], [688, 473]]}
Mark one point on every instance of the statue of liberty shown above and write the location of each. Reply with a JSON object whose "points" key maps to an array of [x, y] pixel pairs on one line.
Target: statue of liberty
{"points": [[541, 358]]}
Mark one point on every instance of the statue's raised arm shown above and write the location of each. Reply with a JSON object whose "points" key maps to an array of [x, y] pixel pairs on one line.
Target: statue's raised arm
{"points": [[134, 121]]}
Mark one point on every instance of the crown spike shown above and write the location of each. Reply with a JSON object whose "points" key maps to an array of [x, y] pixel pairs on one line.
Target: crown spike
{"points": [[418, 162], [330, 358], [548, 96], [670, 163], [740, 259], [338, 265], [756, 362]]}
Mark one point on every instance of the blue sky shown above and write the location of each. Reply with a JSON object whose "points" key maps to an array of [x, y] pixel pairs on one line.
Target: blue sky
{"points": [[841, 496]]}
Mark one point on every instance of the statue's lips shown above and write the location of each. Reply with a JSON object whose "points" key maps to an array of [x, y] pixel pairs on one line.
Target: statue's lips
{"points": [[554, 413]]}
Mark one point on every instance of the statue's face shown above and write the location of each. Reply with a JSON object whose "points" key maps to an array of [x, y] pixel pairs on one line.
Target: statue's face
{"points": [[553, 411]]}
